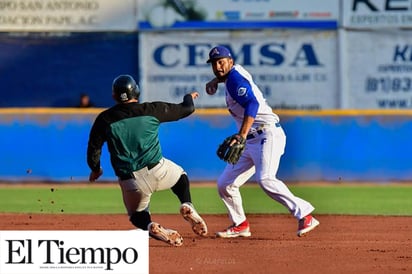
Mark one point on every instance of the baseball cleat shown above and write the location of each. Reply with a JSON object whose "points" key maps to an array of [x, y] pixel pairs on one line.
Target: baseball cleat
{"points": [[307, 224], [189, 214], [242, 230], [168, 236]]}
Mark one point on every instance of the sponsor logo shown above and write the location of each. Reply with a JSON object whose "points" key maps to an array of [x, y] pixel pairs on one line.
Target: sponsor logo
{"points": [[254, 15], [381, 5], [283, 14], [215, 52], [232, 15], [317, 14], [274, 54], [123, 97], [378, 13], [241, 91]]}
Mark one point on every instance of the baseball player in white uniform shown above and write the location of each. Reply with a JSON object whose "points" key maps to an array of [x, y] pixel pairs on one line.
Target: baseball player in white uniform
{"points": [[265, 144]]}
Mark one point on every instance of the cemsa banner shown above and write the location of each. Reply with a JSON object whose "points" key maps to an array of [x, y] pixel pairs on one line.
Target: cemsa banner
{"points": [[379, 69], [377, 14], [68, 15], [237, 14], [294, 69]]}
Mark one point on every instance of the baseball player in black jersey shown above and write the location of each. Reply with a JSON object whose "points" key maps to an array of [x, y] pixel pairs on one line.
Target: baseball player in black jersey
{"points": [[130, 130]]}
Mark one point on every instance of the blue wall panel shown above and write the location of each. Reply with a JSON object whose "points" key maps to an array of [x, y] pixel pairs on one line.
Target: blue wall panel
{"points": [[319, 148], [347, 148], [40, 70]]}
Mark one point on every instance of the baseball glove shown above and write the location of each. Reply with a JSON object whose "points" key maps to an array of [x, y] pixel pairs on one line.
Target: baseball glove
{"points": [[231, 153]]}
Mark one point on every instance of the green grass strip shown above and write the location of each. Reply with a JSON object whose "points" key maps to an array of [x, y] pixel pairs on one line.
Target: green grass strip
{"points": [[348, 199]]}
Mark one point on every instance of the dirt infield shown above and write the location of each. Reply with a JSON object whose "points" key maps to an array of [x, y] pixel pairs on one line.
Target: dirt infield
{"points": [[341, 244]]}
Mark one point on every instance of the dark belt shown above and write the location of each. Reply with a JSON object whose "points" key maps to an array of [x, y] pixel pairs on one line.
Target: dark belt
{"points": [[150, 166], [258, 132], [130, 176]]}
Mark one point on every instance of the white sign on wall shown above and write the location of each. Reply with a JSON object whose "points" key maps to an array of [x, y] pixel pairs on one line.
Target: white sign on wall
{"points": [[379, 69], [68, 15], [294, 69], [237, 14], [377, 13]]}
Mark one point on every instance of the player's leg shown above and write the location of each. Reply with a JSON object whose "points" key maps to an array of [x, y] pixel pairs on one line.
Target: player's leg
{"points": [[141, 219], [271, 147], [182, 189], [228, 184], [136, 203], [136, 197], [170, 175]]}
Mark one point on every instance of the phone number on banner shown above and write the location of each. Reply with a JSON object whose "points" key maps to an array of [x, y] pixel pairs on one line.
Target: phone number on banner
{"points": [[388, 84]]}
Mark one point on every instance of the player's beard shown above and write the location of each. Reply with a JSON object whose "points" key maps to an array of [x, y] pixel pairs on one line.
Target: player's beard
{"points": [[222, 74], [222, 78]]}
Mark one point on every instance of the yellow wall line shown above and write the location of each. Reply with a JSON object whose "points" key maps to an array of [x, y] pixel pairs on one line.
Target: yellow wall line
{"points": [[221, 111]]}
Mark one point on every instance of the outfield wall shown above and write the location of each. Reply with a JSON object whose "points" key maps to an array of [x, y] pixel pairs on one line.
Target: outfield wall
{"points": [[50, 144]]}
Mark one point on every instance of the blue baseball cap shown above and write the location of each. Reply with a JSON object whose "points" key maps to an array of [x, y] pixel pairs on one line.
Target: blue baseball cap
{"points": [[219, 52]]}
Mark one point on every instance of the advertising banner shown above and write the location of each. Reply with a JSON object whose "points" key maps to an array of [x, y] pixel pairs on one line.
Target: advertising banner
{"points": [[237, 14], [294, 69], [379, 69], [68, 15], [374, 14]]}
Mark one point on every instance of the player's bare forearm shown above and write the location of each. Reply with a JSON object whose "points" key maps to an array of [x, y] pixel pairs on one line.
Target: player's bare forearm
{"points": [[246, 125]]}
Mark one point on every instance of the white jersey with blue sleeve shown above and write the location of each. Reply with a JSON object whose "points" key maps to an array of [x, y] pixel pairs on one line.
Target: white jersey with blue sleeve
{"points": [[243, 97], [261, 156]]}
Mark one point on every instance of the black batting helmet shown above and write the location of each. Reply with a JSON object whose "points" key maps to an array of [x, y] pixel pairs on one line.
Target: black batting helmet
{"points": [[125, 88]]}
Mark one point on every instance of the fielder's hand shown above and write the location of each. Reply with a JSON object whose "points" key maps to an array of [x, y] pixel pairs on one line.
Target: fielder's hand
{"points": [[94, 175], [211, 86]]}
